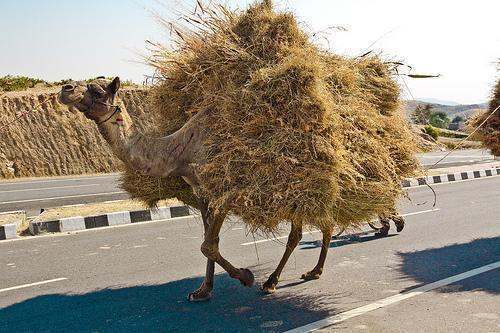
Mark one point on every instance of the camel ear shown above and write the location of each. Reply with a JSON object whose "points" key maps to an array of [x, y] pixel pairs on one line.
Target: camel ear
{"points": [[114, 85]]}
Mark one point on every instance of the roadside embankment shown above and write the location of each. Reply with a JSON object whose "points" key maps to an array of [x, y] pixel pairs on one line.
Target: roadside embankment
{"points": [[50, 140]]}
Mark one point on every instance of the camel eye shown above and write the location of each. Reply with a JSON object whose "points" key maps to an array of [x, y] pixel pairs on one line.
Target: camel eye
{"points": [[96, 90]]}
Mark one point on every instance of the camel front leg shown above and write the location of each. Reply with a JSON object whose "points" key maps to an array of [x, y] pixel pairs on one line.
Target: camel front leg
{"points": [[204, 292], [293, 240], [318, 269], [210, 248]]}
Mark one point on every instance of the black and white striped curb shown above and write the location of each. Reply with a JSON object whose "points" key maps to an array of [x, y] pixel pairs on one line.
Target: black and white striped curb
{"points": [[451, 177], [107, 220], [9, 231]]}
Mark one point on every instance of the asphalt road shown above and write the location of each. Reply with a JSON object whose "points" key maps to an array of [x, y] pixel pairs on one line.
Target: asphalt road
{"points": [[36, 194], [457, 158], [136, 278]]}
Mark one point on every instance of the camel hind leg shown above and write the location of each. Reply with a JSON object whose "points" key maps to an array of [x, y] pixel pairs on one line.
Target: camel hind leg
{"points": [[399, 221], [293, 240], [316, 272]]}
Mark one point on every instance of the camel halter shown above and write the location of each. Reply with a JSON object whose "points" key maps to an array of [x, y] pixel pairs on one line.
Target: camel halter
{"points": [[117, 109]]}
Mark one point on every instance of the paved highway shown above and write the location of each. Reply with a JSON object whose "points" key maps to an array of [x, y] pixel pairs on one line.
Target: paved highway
{"points": [[136, 278], [457, 158], [35, 194]]}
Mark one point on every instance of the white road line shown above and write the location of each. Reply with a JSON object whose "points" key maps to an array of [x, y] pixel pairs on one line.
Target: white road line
{"points": [[32, 284], [50, 188], [66, 197], [421, 212], [391, 300], [316, 231], [57, 180]]}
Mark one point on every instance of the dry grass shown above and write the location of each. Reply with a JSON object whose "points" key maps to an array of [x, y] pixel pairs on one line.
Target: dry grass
{"points": [[294, 133], [489, 133], [19, 218], [452, 143], [53, 214]]}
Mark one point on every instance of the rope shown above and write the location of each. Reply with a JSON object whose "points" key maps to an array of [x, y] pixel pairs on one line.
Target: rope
{"points": [[25, 113]]}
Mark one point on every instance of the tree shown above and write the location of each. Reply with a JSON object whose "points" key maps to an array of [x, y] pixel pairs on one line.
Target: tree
{"points": [[422, 114], [457, 119], [439, 119]]}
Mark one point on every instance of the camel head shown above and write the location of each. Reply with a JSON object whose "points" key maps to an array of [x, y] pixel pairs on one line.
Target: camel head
{"points": [[94, 99]]}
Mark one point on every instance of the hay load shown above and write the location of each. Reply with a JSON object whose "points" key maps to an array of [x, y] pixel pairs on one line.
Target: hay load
{"points": [[294, 133], [263, 124], [489, 133]]}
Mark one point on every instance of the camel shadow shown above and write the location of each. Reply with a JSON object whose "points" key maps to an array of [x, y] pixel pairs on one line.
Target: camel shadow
{"points": [[163, 307], [349, 239], [434, 264]]}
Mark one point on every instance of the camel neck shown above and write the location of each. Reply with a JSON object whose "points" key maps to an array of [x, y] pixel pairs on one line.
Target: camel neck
{"points": [[163, 156]]}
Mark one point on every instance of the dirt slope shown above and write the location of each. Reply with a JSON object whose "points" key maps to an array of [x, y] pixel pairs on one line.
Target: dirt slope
{"points": [[53, 140]]}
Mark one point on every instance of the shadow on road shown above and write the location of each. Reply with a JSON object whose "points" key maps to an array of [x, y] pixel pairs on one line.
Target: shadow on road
{"points": [[164, 308], [431, 265], [349, 239]]}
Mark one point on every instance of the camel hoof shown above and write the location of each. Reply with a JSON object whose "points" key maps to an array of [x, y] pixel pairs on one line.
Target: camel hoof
{"points": [[269, 287], [309, 276], [246, 277], [400, 225], [383, 232], [200, 296]]}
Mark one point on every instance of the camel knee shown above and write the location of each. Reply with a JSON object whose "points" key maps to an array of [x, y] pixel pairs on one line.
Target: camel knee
{"points": [[210, 250]]}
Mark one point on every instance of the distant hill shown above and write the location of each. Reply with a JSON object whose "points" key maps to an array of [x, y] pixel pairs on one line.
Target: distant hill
{"points": [[438, 101], [464, 111]]}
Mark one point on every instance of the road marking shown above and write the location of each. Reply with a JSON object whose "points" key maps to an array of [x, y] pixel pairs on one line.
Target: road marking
{"points": [[58, 180], [421, 212], [485, 157], [50, 188], [182, 219], [392, 299], [32, 284], [66, 197], [316, 231]]}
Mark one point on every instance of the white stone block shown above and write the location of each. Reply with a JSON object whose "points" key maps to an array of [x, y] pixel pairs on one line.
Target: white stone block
{"points": [[72, 224]]}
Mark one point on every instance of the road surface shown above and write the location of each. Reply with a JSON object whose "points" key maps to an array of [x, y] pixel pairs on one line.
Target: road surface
{"points": [[457, 158], [136, 278], [34, 195]]}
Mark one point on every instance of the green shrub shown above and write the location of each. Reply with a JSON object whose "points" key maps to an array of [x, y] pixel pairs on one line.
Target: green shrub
{"points": [[434, 132], [439, 119], [16, 83]]}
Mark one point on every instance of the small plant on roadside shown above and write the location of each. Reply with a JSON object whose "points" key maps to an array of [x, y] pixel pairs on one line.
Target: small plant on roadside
{"points": [[434, 132]]}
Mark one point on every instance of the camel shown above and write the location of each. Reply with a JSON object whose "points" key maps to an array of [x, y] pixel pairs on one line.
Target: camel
{"points": [[178, 154]]}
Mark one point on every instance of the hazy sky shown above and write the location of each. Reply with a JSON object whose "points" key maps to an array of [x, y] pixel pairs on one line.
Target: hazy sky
{"points": [[55, 39]]}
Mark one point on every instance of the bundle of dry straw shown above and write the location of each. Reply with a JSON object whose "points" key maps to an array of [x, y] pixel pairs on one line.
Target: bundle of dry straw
{"points": [[294, 133], [489, 133]]}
